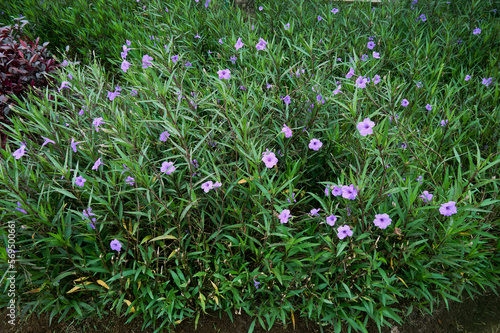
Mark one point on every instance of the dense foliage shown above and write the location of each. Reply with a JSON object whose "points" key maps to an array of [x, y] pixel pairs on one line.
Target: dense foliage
{"points": [[318, 160]]}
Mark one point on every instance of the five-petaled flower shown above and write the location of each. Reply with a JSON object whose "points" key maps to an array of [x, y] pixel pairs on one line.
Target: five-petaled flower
{"points": [[337, 190], [74, 143], [98, 122], [448, 209], [315, 144], [335, 10], [366, 127], [428, 107], [426, 196], [239, 44], [64, 84], [146, 61], [164, 136], [287, 131], [331, 220], [349, 192], [125, 66], [80, 181], [287, 99], [207, 186], [405, 102], [284, 216], [314, 211], [382, 221], [370, 45], [130, 180], [261, 45], [116, 245], [97, 164], [361, 82], [344, 231], [224, 74], [174, 58], [350, 73], [167, 167], [270, 159], [376, 55], [476, 31]]}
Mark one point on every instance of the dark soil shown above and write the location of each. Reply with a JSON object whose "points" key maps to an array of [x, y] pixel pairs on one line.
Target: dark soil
{"points": [[478, 315]]}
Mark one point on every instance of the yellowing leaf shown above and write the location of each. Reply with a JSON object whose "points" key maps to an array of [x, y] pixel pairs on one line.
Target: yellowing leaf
{"points": [[163, 237], [128, 303], [102, 283], [81, 279], [37, 290], [73, 290], [403, 282], [293, 319]]}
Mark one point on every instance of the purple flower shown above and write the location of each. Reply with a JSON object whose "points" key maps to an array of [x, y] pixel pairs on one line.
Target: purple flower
{"points": [[337, 190], [366, 127], [133, 92], [113, 95], [164, 136], [444, 122], [487, 81], [319, 18], [315, 144], [426, 196], [130, 180], [116, 245], [287, 99], [252, 27], [376, 55], [47, 141], [220, 41], [97, 122], [224, 74], [197, 36], [239, 44], [287, 26], [269, 159], [260, 8], [376, 79], [349, 192], [370, 45], [405, 102], [467, 77], [20, 208], [207, 186], [217, 184], [314, 211], [146, 61], [287, 131], [73, 144], [167, 167], [350, 73], [327, 191], [448, 209], [335, 10], [174, 58], [80, 181], [331, 220], [125, 65], [344, 231], [97, 164], [233, 60], [336, 91], [382, 221], [64, 63], [423, 18], [129, 42], [70, 76], [64, 84], [20, 152], [361, 82], [364, 57], [476, 31], [261, 45], [87, 213], [428, 107], [256, 284], [188, 64], [284, 216]]}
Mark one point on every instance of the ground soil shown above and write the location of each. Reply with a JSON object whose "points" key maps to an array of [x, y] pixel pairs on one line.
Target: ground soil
{"points": [[478, 315]]}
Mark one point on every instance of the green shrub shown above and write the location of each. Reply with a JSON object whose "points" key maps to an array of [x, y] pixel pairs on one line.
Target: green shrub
{"points": [[185, 249]]}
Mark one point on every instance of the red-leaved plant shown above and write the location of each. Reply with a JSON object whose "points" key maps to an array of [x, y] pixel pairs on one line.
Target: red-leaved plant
{"points": [[23, 64]]}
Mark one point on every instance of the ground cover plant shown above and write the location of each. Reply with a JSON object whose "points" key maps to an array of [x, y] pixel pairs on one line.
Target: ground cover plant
{"points": [[319, 160]]}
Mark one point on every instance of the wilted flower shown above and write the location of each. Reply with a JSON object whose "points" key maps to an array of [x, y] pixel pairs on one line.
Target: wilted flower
{"points": [[444, 122], [130, 180], [20, 208], [20, 152], [350, 73], [97, 164], [64, 84]]}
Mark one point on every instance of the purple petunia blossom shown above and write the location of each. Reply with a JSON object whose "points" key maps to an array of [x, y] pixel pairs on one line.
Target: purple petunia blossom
{"points": [[174, 58], [444, 122], [146, 61], [239, 44], [64, 84], [361, 82], [73, 144], [349, 192], [129, 42], [287, 26], [336, 91], [260, 8], [224, 74], [167, 167], [319, 18], [426, 196], [448, 209], [164, 136], [133, 92], [80, 181], [47, 141], [467, 77], [428, 107], [256, 284], [207, 186], [366, 127], [284, 216], [125, 66], [20, 152], [113, 95], [261, 45], [287, 131], [269, 159], [64, 63], [220, 41], [382, 221], [116, 245], [337, 190], [130, 180], [331, 220], [287, 99], [370, 45], [376, 79], [20, 208], [364, 57], [314, 211], [405, 102], [97, 164], [87, 213], [376, 55], [97, 122], [335, 10], [476, 31], [350, 73], [315, 144], [487, 81], [344, 231]]}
